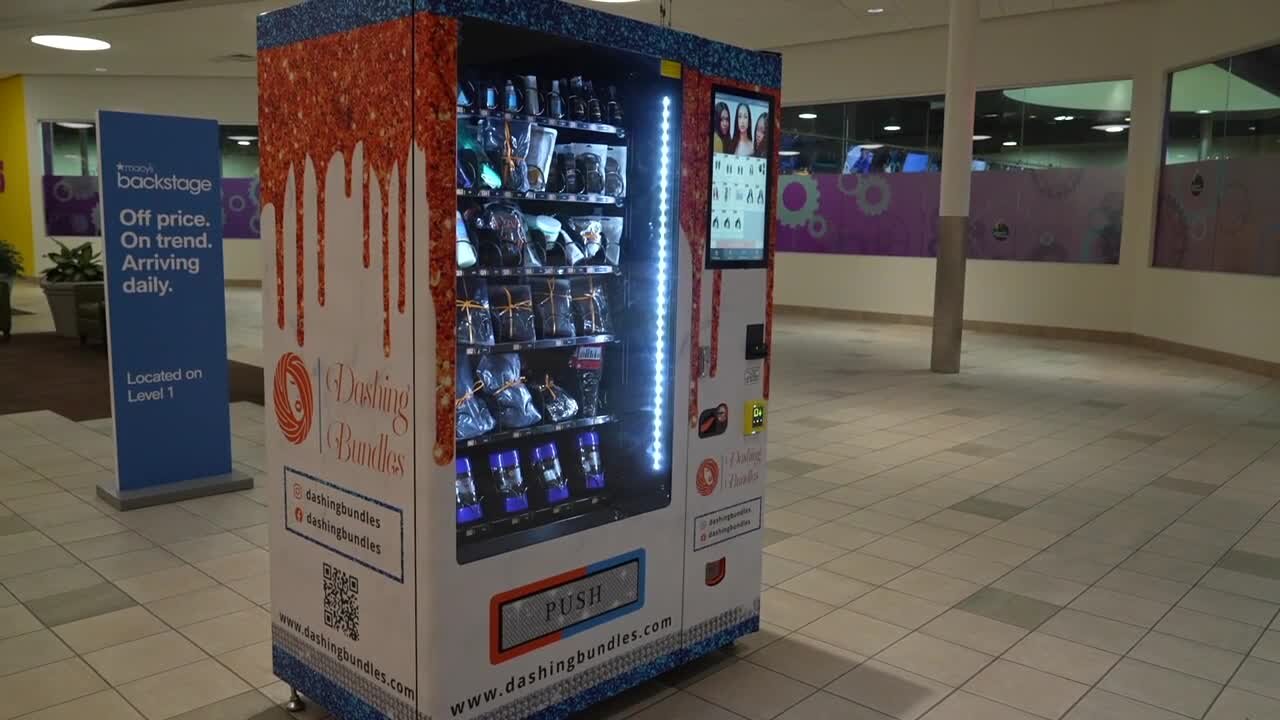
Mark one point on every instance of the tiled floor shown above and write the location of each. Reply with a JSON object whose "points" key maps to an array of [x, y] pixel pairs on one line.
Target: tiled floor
{"points": [[1064, 531]]}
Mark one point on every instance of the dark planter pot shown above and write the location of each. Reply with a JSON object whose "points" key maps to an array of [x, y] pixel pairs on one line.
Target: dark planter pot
{"points": [[62, 304]]}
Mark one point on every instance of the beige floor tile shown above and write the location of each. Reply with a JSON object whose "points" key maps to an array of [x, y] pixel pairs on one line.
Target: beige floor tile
{"points": [[806, 659], [105, 705], [789, 610], [1102, 705], [1027, 689], [683, 706], [901, 550], [34, 649], [966, 706], [974, 631], [230, 632], [842, 536], [210, 547], [186, 688], [32, 561], [135, 563], [257, 588], [165, 583], [890, 690], [939, 660], [802, 550], [236, 566], [192, 607], [95, 633], [933, 586], [252, 663], [1210, 629], [826, 587], [141, 658], [1187, 656], [891, 606], [1064, 658], [1236, 704], [1099, 632], [23, 541], [47, 685], [1118, 606], [825, 706], [1161, 687], [108, 545], [867, 568], [854, 632], [84, 529], [52, 582], [751, 691], [17, 620]]}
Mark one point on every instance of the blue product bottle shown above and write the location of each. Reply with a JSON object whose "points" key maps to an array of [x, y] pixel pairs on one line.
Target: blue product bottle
{"points": [[508, 480], [464, 488], [589, 458], [546, 463]]}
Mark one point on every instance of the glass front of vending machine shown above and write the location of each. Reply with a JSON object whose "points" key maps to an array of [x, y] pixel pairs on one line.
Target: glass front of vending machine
{"points": [[565, 285]]}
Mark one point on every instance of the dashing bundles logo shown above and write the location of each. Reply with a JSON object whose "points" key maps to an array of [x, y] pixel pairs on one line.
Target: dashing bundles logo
{"points": [[293, 398], [134, 176]]}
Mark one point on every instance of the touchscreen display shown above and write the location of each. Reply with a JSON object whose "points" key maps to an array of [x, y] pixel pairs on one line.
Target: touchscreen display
{"points": [[741, 130]]}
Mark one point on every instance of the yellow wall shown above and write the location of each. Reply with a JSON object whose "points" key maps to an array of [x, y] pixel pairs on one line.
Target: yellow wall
{"points": [[15, 199]]}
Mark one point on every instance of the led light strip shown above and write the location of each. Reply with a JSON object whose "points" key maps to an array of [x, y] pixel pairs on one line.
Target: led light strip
{"points": [[660, 347]]}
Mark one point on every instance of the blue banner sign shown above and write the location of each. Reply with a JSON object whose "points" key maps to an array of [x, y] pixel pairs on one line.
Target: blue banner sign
{"points": [[166, 309]]}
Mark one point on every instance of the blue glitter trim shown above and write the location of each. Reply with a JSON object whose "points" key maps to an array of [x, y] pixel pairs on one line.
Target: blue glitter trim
{"points": [[325, 692], [646, 672], [315, 18]]}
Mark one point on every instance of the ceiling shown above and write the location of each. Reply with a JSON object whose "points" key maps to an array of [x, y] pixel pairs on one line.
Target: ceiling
{"points": [[194, 37]]}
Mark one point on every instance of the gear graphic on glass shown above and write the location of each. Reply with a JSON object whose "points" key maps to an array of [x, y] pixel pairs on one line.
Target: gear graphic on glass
{"points": [[865, 204], [817, 227], [801, 216]]}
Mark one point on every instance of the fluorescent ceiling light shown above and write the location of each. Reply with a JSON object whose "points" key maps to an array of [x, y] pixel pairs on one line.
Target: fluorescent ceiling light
{"points": [[1064, 118], [991, 115], [1203, 111], [1111, 128], [872, 146], [242, 137], [1010, 143], [74, 125], [788, 153], [875, 10], [892, 128], [243, 142], [808, 116], [981, 137], [1126, 119], [70, 42]]}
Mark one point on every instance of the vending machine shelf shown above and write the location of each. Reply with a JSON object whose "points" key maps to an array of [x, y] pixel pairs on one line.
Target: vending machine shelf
{"points": [[546, 429]]}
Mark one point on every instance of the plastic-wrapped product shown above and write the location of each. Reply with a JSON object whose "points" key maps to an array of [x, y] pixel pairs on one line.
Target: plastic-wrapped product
{"points": [[474, 324], [557, 405], [512, 308], [473, 418], [503, 380], [553, 303], [591, 306]]}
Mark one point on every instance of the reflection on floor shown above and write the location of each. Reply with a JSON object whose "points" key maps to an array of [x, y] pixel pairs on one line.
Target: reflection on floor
{"points": [[1065, 530]]}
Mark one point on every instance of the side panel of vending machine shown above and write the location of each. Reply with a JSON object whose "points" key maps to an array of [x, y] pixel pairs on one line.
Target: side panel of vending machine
{"points": [[515, 479]]}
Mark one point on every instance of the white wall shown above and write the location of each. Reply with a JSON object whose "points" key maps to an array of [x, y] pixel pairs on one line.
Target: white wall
{"points": [[1139, 40], [79, 97]]}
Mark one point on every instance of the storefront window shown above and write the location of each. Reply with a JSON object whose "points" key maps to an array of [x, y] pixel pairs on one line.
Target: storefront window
{"points": [[1048, 183], [1218, 209]]}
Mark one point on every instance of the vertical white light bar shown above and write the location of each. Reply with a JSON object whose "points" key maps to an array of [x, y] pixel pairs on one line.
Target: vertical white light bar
{"points": [[660, 306]]}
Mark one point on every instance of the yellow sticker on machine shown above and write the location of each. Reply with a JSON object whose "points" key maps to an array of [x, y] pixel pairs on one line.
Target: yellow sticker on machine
{"points": [[671, 69]]}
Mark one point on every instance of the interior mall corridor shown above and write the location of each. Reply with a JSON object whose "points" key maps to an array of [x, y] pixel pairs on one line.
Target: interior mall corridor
{"points": [[1064, 530]]}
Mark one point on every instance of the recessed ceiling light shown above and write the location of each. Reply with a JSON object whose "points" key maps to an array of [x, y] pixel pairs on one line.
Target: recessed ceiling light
{"points": [[70, 42], [1126, 119], [1111, 128], [1252, 128], [788, 153], [1203, 111], [872, 146], [614, 1], [1064, 118], [808, 116], [239, 138], [981, 137], [874, 10], [1009, 143], [243, 142], [991, 115], [1033, 117], [74, 125], [99, 69], [892, 128]]}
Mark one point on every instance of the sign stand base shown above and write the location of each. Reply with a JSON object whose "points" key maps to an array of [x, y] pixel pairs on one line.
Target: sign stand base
{"points": [[174, 492]]}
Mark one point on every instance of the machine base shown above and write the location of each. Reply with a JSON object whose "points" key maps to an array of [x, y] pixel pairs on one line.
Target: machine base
{"points": [[185, 490]]}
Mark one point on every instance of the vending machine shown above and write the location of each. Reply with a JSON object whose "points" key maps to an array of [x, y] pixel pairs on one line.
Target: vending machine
{"points": [[519, 262]]}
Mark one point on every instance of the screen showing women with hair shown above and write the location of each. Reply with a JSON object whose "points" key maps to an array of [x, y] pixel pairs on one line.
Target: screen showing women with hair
{"points": [[741, 131]]}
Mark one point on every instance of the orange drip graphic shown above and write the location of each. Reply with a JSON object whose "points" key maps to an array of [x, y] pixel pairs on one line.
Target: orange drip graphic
{"points": [[319, 99]]}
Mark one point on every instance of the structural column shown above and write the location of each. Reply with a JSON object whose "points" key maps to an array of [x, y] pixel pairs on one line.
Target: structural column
{"points": [[957, 165]]}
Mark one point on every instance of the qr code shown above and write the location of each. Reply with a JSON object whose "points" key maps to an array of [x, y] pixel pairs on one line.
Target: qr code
{"points": [[342, 602]]}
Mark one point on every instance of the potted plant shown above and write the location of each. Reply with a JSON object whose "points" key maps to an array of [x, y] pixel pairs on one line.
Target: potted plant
{"points": [[10, 269], [74, 278]]}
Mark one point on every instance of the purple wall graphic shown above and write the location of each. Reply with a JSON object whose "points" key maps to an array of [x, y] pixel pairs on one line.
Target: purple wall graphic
{"points": [[1220, 215], [71, 207], [1061, 215]]}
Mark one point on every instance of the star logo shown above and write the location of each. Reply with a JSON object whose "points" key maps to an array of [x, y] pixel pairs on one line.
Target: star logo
{"points": [[120, 167]]}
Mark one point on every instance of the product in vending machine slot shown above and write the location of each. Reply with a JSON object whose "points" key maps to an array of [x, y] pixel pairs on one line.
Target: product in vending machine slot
{"points": [[588, 365], [498, 230], [472, 416], [611, 229], [591, 306], [512, 307], [508, 481], [474, 324], [589, 460], [506, 144], [588, 232], [546, 465], [553, 303], [504, 381], [613, 108], [557, 405], [615, 171], [557, 246], [466, 250], [542, 147], [467, 500], [589, 158]]}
